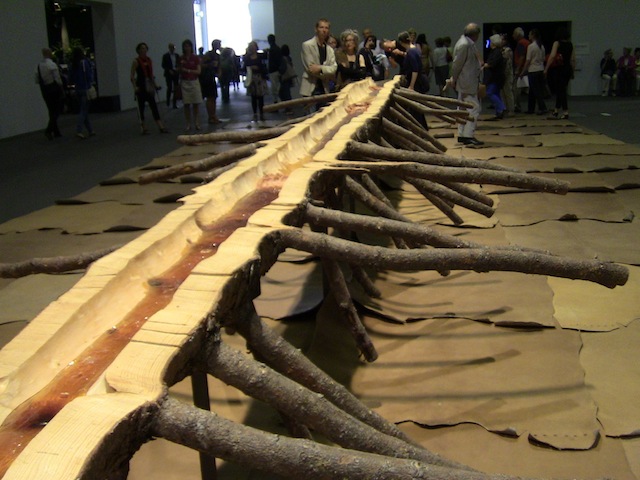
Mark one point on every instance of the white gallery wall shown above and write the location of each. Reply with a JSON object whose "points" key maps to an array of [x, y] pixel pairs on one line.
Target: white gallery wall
{"points": [[120, 24]]}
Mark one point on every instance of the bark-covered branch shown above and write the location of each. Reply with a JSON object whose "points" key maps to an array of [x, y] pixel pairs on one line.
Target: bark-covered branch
{"points": [[59, 264], [307, 407], [467, 175], [328, 97], [418, 130], [214, 161], [423, 97], [340, 290], [357, 150], [362, 277], [413, 232], [234, 136], [289, 361], [444, 259], [445, 193], [287, 457], [451, 116]]}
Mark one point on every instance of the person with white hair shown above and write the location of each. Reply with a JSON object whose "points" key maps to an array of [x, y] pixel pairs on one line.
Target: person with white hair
{"points": [[494, 75], [465, 79], [519, 57]]}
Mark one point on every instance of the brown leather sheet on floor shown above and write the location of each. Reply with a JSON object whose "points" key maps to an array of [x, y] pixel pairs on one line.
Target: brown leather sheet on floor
{"points": [[499, 398]]}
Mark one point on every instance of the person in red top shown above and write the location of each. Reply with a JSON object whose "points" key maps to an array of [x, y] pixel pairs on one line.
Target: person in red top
{"points": [[626, 73], [191, 94], [144, 87], [519, 57]]}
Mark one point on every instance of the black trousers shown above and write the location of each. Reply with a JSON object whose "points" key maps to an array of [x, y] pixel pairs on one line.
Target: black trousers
{"points": [[53, 100]]}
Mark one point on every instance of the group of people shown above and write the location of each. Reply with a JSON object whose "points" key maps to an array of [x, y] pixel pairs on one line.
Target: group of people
{"points": [[621, 77], [194, 78], [329, 63], [189, 77]]}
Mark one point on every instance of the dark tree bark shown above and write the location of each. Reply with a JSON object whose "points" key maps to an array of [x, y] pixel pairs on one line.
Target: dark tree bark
{"points": [[358, 150], [289, 361], [479, 260], [287, 457], [307, 407]]}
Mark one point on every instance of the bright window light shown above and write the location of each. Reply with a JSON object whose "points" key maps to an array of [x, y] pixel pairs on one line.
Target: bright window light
{"points": [[230, 22]]}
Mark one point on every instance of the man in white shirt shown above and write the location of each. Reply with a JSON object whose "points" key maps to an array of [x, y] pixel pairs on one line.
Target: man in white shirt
{"points": [[47, 76]]}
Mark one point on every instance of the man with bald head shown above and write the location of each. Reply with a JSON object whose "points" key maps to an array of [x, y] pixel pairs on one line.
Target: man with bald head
{"points": [[465, 78]]}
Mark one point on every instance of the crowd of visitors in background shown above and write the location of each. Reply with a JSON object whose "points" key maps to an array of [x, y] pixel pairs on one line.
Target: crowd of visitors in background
{"points": [[511, 65]]}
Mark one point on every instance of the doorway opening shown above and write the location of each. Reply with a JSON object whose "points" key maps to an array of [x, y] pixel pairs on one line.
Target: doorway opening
{"points": [[234, 23]]}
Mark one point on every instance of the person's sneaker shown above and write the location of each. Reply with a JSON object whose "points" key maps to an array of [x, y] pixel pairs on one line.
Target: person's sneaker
{"points": [[469, 141], [81, 136]]}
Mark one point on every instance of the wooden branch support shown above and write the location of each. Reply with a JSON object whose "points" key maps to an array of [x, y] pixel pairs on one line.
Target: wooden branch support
{"points": [[236, 136], [400, 141], [432, 99], [287, 457], [378, 206], [451, 116], [51, 265], [357, 150], [362, 277], [417, 130], [216, 161], [342, 297], [407, 115], [446, 194], [372, 187], [289, 361], [307, 407], [412, 232], [478, 260], [303, 101], [408, 135], [467, 175]]}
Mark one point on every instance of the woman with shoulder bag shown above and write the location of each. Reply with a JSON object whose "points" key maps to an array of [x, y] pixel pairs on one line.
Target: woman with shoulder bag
{"points": [[144, 87]]}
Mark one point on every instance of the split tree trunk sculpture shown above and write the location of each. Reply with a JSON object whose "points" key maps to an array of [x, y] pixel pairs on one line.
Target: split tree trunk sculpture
{"points": [[162, 300]]}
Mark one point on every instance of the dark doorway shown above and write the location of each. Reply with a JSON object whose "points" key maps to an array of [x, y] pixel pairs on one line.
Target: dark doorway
{"points": [[547, 30], [69, 24]]}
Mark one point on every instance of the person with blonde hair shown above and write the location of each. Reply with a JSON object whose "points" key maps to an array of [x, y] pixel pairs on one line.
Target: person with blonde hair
{"points": [[351, 64]]}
